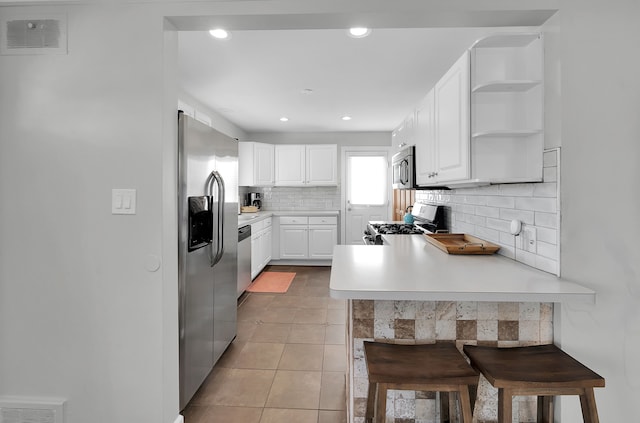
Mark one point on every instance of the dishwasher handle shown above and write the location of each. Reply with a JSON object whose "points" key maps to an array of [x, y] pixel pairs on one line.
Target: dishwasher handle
{"points": [[244, 232]]}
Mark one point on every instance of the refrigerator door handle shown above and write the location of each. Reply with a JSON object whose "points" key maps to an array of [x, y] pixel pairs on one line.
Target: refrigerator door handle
{"points": [[219, 227]]}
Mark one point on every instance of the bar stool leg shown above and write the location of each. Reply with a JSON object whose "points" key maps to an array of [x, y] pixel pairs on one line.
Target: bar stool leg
{"points": [[545, 408], [371, 402], [465, 404], [444, 407], [381, 403], [588, 403], [505, 405]]}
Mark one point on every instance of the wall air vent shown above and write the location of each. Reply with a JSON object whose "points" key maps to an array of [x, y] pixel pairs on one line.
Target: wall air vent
{"points": [[31, 410], [34, 35]]}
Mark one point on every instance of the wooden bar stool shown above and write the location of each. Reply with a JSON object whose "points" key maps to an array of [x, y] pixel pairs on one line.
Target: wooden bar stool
{"points": [[542, 370], [428, 367]]}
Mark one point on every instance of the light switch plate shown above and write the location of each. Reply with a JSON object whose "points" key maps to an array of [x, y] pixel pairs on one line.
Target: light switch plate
{"points": [[123, 201]]}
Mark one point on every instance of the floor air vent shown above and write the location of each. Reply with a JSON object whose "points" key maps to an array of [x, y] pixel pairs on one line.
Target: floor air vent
{"points": [[45, 35]]}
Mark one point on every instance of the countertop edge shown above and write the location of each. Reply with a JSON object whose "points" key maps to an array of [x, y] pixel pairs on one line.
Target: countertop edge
{"points": [[261, 215], [550, 297]]}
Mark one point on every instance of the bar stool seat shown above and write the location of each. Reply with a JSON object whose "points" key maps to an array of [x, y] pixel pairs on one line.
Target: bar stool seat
{"points": [[426, 367], [541, 370]]}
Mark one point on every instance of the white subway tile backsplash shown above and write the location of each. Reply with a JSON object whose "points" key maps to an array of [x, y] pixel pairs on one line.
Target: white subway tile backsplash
{"points": [[507, 250], [526, 257], [488, 234], [503, 202], [477, 220], [547, 220], [463, 227], [516, 190], [550, 158], [476, 200], [488, 211], [526, 216], [499, 225], [547, 250], [546, 189], [294, 198], [547, 235], [468, 209], [550, 174], [507, 239], [546, 264], [548, 205]]}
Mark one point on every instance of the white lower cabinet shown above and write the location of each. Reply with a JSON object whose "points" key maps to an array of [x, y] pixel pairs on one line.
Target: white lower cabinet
{"points": [[308, 237], [261, 235]]}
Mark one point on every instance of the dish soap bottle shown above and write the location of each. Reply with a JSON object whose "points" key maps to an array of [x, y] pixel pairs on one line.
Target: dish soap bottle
{"points": [[408, 217]]}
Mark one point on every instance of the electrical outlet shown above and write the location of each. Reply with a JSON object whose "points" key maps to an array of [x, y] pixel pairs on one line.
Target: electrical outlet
{"points": [[530, 239]]}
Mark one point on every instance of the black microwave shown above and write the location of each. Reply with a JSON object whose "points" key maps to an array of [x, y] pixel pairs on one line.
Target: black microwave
{"points": [[403, 166]]}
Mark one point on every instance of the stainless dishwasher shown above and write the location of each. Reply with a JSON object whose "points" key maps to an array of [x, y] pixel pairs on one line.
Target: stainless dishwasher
{"points": [[244, 258]]}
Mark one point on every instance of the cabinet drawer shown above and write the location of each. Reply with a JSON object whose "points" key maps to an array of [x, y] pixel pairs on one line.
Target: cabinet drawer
{"points": [[257, 227], [294, 220], [267, 222], [323, 220]]}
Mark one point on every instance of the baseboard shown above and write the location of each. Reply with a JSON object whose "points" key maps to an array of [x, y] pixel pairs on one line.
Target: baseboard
{"points": [[290, 262], [179, 419]]}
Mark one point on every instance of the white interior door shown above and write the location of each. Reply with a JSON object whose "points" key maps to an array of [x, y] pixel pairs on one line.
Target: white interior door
{"points": [[366, 190]]}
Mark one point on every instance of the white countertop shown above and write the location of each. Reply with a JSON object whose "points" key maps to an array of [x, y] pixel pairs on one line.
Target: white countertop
{"points": [[409, 268], [249, 218]]}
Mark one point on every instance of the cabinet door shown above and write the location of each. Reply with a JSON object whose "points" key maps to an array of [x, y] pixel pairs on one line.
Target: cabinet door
{"points": [[255, 256], [294, 241], [264, 169], [425, 140], [322, 239], [265, 247], [322, 164], [290, 165], [452, 121]]}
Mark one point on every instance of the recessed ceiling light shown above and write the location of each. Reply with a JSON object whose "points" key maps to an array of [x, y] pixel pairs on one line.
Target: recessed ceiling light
{"points": [[284, 119], [346, 118], [220, 34], [359, 32]]}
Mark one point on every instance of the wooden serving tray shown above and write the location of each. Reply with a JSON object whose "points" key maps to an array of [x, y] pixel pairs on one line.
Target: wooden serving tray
{"points": [[461, 244], [248, 209]]}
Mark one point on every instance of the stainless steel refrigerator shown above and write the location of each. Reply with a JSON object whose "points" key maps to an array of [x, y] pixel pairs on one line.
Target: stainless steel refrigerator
{"points": [[207, 250]]}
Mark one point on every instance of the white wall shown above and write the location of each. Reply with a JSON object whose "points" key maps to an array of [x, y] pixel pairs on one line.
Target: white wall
{"points": [[601, 185], [81, 317]]}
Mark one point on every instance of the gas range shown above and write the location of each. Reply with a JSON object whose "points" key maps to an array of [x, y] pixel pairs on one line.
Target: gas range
{"points": [[428, 218]]}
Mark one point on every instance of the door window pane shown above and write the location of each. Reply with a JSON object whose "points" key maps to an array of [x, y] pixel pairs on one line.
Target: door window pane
{"points": [[367, 180]]}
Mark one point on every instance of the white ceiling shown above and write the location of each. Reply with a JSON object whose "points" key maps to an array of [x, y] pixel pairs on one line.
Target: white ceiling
{"points": [[258, 76]]}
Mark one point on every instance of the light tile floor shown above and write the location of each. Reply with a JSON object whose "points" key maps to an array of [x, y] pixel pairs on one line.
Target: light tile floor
{"points": [[288, 361]]}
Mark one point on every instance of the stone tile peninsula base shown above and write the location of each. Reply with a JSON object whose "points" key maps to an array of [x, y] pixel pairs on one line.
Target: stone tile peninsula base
{"points": [[503, 324]]}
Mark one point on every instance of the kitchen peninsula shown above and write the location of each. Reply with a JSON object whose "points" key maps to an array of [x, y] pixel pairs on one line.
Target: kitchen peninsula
{"points": [[409, 291]]}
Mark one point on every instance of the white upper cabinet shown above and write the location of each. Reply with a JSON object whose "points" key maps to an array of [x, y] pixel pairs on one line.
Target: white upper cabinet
{"points": [[322, 164], [290, 165], [484, 122], [256, 164], [404, 134], [306, 165], [452, 122], [507, 139], [425, 140]]}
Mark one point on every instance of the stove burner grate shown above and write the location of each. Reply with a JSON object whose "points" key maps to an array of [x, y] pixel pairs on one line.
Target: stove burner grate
{"points": [[397, 229]]}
